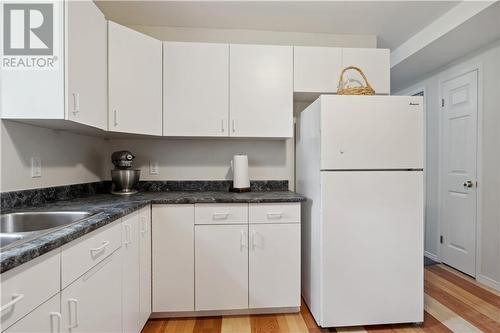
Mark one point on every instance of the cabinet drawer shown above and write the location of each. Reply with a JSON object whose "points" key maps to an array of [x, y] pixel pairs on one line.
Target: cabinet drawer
{"points": [[274, 212], [82, 254], [18, 289], [221, 213]]}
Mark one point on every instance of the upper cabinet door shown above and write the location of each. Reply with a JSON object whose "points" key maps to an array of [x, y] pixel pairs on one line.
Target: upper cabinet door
{"points": [[375, 63], [135, 81], [261, 91], [196, 89], [86, 65], [316, 69]]}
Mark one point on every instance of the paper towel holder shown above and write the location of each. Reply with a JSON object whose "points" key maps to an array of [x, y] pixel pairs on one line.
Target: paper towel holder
{"points": [[241, 182]]}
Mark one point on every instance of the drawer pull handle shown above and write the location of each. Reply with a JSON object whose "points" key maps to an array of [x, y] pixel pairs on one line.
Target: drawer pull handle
{"points": [[220, 216], [75, 317], [274, 215], [100, 248], [59, 319], [144, 226], [15, 298]]}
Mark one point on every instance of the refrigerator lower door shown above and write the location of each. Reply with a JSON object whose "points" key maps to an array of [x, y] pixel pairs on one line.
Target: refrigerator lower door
{"points": [[372, 247]]}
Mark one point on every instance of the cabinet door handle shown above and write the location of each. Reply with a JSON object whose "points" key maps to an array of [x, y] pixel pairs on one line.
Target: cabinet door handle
{"points": [[143, 225], [252, 239], [222, 127], [127, 234], [15, 298], [220, 216], [233, 125], [59, 319], [73, 323], [100, 248], [115, 118], [274, 215], [243, 236], [76, 102]]}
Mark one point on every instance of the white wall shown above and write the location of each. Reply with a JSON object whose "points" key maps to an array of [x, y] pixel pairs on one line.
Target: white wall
{"points": [[256, 37], [489, 187], [66, 158], [205, 159]]}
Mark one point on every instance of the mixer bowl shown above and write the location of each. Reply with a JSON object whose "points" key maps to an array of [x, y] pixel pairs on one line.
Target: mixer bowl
{"points": [[125, 181]]}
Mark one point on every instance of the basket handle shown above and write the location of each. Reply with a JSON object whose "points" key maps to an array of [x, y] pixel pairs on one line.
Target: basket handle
{"points": [[356, 69]]}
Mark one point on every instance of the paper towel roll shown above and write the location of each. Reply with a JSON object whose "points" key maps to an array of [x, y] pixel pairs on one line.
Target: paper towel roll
{"points": [[240, 171]]}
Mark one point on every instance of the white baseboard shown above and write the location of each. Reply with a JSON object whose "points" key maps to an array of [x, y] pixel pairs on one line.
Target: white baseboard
{"points": [[431, 256], [488, 282]]}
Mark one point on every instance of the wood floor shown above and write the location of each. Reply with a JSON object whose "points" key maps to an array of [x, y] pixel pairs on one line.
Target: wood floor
{"points": [[453, 303]]}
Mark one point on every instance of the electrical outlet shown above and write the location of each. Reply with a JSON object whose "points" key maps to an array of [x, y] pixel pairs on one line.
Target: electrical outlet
{"points": [[36, 167], [154, 169]]}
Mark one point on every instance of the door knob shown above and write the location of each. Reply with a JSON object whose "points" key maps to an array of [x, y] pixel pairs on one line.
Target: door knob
{"points": [[468, 184]]}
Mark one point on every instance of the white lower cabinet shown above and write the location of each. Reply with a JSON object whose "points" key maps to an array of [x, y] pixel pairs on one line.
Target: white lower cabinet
{"points": [[173, 258], [93, 302], [45, 318], [145, 265], [130, 273], [221, 262], [274, 265]]}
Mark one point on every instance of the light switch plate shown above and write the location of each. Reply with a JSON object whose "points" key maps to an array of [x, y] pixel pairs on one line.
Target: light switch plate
{"points": [[36, 167], [154, 168]]}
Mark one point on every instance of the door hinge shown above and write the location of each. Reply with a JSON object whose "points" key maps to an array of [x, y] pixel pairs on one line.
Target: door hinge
{"points": [[442, 102], [441, 239]]}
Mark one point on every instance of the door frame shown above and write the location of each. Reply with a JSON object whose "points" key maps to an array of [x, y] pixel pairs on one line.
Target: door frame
{"points": [[447, 75]]}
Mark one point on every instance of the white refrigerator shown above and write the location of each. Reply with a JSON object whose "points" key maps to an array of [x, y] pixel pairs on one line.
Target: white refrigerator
{"points": [[359, 163]]}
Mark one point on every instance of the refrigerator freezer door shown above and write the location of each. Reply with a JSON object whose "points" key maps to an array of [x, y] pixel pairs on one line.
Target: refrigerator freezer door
{"points": [[372, 247], [371, 132]]}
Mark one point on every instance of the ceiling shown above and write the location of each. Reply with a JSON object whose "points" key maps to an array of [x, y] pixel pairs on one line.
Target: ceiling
{"points": [[392, 21]]}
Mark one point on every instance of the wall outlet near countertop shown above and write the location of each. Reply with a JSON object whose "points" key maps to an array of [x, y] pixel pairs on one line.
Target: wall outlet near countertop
{"points": [[154, 168], [36, 167]]}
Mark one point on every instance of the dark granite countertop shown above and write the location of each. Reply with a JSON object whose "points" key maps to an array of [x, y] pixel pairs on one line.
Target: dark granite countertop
{"points": [[111, 207]]}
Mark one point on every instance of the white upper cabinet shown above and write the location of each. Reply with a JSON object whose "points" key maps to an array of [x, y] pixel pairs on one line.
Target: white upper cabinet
{"points": [[316, 69], [196, 89], [135, 81], [261, 91], [74, 88], [86, 66], [375, 63]]}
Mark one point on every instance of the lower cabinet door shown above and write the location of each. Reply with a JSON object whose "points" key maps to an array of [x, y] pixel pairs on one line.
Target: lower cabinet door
{"points": [[44, 319], [131, 274], [93, 302], [221, 261], [145, 264], [274, 265]]}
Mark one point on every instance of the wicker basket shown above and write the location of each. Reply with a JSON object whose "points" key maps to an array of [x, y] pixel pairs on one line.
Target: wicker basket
{"points": [[363, 90]]}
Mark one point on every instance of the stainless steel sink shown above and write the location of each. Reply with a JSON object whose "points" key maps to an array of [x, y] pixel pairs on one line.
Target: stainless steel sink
{"points": [[16, 228]]}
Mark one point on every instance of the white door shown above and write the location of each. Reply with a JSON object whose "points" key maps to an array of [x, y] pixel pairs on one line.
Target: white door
{"points": [[87, 64], [274, 265], [46, 318], [372, 239], [130, 274], [173, 258], [135, 81], [221, 261], [145, 264], [93, 302], [458, 181], [196, 89], [261, 91]]}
